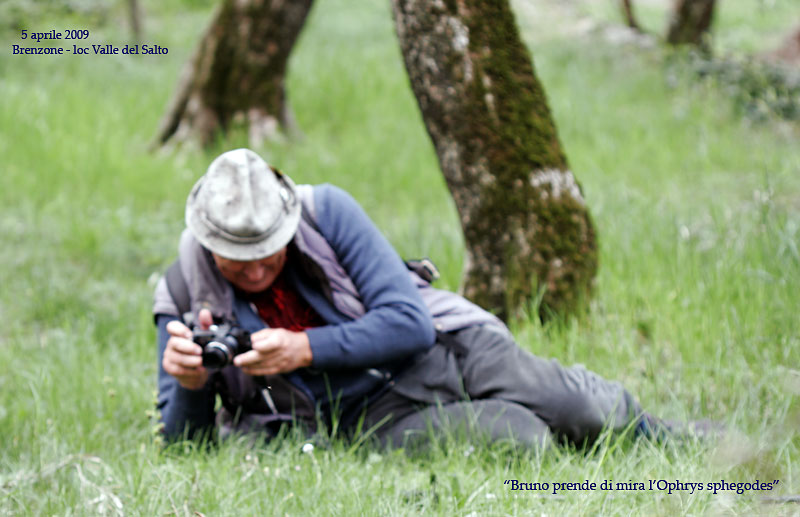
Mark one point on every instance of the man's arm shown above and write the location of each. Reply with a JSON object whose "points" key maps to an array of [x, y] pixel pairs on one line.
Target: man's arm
{"points": [[182, 410], [397, 323]]}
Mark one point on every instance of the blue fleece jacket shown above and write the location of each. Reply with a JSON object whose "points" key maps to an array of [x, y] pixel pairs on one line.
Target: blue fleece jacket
{"points": [[396, 326]]}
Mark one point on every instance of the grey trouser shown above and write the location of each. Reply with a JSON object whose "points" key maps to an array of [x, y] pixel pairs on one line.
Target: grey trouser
{"points": [[481, 380]]}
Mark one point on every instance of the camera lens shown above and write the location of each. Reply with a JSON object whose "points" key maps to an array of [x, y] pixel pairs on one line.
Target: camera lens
{"points": [[216, 355]]}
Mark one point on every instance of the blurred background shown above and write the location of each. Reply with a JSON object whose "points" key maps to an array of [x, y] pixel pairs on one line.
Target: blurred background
{"points": [[688, 158]]}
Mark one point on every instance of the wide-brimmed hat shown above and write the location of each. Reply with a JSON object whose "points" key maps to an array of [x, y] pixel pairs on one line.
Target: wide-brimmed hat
{"points": [[243, 209]]}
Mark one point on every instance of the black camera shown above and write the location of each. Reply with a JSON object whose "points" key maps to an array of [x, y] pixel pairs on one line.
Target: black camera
{"points": [[221, 343]]}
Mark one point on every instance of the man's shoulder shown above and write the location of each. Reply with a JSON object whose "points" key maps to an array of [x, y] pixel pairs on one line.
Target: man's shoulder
{"points": [[326, 201], [326, 191]]}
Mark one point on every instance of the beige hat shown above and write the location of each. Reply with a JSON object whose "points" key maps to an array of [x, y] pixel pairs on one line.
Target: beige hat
{"points": [[243, 209]]}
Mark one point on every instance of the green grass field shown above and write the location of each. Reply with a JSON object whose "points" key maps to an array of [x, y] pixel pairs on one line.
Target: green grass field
{"points": [[696, 307]]}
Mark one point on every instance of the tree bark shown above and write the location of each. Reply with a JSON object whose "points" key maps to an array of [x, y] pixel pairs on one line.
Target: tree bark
{"points": [[525, 223], [691, 22], [237, 73], [630, 18]]}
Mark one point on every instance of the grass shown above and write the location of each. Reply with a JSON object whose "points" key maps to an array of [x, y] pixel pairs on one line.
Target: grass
{"points": [[698, 214]]}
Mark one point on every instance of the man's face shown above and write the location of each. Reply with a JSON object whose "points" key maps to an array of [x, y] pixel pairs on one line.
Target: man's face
{"points": [[252, 276]]}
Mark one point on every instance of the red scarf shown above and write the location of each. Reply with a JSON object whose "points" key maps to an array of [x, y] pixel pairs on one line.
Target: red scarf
{"points": [[281, 306]]}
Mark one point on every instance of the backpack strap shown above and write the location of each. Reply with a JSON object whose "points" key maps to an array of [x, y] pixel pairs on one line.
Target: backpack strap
{"points": [[309, 218], [424, 268], [177, 287]]}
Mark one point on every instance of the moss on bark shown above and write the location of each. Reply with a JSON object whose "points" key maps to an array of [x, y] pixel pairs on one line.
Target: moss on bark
{"points": [[691, 23], [237, 72], [521, 210]]}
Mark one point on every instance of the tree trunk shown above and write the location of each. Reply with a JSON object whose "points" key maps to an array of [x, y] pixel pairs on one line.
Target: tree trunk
{"points": [[525, 223], [237, 73], [691, 22], [135, 14], [630, 18]]}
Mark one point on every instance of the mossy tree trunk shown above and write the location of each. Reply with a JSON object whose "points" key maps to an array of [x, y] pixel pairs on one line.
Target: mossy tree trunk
{"points": [[237, 73], [691, 22], [522, 212]]}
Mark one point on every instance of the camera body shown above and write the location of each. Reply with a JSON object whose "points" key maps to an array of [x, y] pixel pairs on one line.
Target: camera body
{"points": [[221, 343]]}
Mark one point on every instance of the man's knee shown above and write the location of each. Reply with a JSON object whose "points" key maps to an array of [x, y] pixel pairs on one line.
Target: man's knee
{"points": [[589, 405]]}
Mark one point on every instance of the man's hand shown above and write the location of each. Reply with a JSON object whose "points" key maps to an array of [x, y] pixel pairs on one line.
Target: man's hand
{"points": [[183, 357], [275, 351]]}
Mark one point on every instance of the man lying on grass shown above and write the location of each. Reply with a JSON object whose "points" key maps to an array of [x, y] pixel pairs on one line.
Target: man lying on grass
{"points": [[306, 313]]}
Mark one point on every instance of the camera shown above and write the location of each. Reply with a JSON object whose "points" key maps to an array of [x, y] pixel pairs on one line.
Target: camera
{"points": [[221, 343]]}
